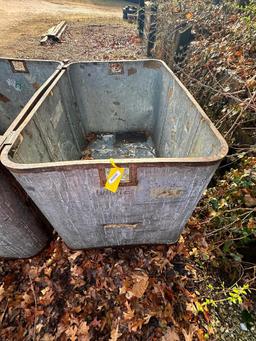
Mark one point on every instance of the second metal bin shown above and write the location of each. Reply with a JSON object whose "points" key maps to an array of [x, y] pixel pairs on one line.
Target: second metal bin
{"points": [[22, 232], [157, 195]]}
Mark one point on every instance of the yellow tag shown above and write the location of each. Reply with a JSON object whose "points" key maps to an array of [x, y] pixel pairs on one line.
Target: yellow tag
{"points": [[114, 177]]}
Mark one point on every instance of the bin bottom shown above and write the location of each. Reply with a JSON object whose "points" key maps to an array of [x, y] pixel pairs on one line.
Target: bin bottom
{"points": [[119, 145]]}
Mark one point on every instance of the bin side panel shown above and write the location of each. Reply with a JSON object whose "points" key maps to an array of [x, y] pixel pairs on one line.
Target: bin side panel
{"points": [[177, 129], [16, 88], [205, 143], [114, 102], [55, 132], [20, 233], [86, 215]]}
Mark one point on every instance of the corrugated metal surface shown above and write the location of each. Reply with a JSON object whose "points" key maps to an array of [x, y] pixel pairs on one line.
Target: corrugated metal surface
{"points": [[154, 205], [22, 82]]}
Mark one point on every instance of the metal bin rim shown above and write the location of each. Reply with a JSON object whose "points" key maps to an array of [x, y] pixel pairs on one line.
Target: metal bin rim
{"points": [[141, 162]]}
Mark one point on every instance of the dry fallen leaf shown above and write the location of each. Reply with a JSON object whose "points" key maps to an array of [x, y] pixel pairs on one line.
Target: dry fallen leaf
{"points": [[115, 334], [47, 296], [83, 332], [2, 291], [139, 287], [189, 335], [249, 200], [74, 256], [28, 299], [71, 332], [189, 16], [170, 335], [200, 335], [39, 326], [136, 325], [48, 337], [130, 313]]}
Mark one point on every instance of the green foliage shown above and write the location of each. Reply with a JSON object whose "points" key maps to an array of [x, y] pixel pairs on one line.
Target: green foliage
{"points": [[235, 295], [231, 206], [249, 15]]}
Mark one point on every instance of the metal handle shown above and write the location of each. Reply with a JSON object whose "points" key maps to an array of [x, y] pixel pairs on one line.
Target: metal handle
{"points": [[18, 66], [129, 178], [122, 226]]}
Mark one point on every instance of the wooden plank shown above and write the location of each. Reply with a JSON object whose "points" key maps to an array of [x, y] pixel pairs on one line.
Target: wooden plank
{"points": [[54, 33], [61, 32], [44, 40], [48, 32], [57, 29]]}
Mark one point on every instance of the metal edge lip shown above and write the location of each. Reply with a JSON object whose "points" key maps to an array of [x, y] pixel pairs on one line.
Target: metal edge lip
{"points": [[146, 162], [30, 60], [2, 139], [112, 61], [95, 163]]}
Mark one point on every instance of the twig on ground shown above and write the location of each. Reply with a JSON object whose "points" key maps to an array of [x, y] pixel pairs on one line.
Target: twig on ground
{"points": [[35, 312]]}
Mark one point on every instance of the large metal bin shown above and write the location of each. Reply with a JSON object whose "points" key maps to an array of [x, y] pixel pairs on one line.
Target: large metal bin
{"points": [[153, 205], [22, 232]]}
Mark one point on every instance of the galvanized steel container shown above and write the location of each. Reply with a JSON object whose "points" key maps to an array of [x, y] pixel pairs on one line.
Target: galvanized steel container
{"points": [[22, 82], [154, 204]]}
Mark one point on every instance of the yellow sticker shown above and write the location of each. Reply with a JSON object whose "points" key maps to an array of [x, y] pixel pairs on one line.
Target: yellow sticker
{"points": [[114, 177]]}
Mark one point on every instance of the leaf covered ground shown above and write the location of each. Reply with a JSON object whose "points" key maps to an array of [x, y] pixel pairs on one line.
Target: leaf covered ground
{"points": [[142, 293]]}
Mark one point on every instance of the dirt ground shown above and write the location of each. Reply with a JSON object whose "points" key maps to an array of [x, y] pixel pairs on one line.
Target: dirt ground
{"points": [[85, 40], [23, 20]]}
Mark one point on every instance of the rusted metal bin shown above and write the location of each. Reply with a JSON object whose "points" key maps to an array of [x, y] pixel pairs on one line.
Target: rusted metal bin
{"points": [[157, 194], [22, 82]]}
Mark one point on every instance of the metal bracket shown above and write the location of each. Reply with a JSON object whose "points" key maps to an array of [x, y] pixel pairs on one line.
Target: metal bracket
{"points": [[10, 138], [65, 64], [132, 175], [18, 66]]}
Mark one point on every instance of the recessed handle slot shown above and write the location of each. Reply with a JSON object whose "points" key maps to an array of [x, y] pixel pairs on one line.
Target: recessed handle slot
{"points": [[122, 225]]}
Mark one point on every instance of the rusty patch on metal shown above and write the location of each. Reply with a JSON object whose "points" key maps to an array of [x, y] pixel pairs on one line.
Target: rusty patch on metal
{"points": [[132, 71], [166, 193], [4, 99], [121, 226], [36, 86], [170, 92], [152, 64], [116, 68]]}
